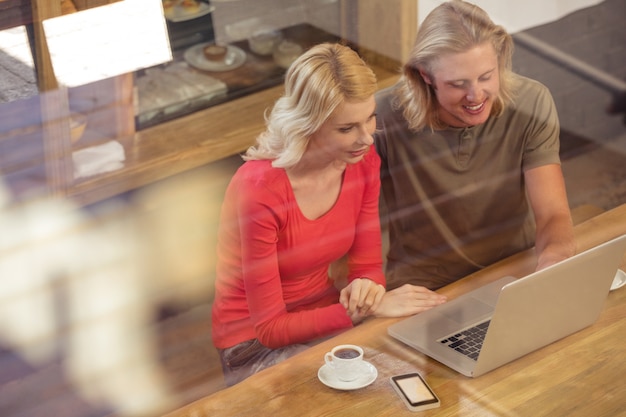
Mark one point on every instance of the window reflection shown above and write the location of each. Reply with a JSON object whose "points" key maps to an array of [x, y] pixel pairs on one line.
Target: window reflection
{"points": [[16, 65], [194, 80], [105, 307]]}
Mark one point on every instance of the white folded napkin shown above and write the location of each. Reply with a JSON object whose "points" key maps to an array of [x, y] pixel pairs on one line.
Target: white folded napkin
{"points": [[98, 159]]}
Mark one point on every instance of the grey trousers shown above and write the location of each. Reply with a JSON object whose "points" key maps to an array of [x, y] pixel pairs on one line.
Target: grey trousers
{"points": [[250, 357]]}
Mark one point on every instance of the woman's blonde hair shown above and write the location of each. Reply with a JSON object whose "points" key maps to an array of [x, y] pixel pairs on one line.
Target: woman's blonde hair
{"points": [[315, 85], [452, 27]]}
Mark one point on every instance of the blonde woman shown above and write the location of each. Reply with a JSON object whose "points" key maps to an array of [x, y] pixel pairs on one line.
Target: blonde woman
{"points": [[306, 196]]}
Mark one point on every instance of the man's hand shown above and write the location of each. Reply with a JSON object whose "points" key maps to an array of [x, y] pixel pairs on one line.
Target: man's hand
{"points": [[408, 300]]}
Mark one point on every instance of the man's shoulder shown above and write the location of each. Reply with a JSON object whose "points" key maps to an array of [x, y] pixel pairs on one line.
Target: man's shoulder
{"points": [[529, 87], [390, 115], [531, 95], [385, 98], [386, 93]]}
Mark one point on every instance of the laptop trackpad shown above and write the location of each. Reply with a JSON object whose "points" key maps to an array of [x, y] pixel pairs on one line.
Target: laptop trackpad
{"points": [[468, 311]]}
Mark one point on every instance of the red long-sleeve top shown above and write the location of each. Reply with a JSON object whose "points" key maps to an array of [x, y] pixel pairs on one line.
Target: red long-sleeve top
{"points": [[272, 279]]}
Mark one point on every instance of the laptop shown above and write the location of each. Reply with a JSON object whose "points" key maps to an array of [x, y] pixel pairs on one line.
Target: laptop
{"points": [[515, 316]]}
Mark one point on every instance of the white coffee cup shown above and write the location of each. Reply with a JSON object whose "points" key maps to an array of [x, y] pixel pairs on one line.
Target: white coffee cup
{"points": [[346, 361]]}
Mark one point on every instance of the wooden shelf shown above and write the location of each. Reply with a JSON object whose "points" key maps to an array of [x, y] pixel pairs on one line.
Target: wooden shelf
{"points": [[188, 142], [152, 154]]}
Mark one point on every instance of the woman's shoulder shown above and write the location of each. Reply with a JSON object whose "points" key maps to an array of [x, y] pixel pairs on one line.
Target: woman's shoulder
{"points": [[258, 172]]}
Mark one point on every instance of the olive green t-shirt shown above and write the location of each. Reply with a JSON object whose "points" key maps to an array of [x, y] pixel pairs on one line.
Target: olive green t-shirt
{"points": [[455, 199]]}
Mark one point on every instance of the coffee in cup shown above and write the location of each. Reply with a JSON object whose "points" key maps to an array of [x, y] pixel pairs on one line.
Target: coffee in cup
{"points": [[346, 361]]}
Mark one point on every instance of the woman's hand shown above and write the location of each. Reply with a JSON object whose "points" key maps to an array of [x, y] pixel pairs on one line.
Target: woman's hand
{"points": [[408, 300], [361, 298]]}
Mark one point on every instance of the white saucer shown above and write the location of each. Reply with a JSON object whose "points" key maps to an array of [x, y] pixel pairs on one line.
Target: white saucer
{"points": [[619, 280], [328, 378], [235, 57]]}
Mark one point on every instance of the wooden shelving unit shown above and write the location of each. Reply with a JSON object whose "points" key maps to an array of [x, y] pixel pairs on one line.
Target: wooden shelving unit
{"points": [[152, 154]]}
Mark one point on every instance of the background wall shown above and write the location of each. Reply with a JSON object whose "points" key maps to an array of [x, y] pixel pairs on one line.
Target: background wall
{"points": [[597, 38], [386, 27], [237, 20], [519, 15], [176, 220]]}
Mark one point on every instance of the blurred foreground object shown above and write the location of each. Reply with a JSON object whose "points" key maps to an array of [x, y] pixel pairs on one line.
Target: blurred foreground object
{"points": [[72, 291]]}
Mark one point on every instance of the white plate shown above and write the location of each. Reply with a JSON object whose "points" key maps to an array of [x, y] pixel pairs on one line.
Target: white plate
{"points": [[179, 14], [619, 280], [328, 378], [235, 57]]}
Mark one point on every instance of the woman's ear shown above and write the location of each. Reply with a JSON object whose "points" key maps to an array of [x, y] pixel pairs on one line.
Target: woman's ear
{"points": [[425, 76]]}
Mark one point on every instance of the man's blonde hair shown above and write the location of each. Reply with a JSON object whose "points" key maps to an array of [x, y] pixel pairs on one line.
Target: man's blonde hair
{"points": [[452, 27]]}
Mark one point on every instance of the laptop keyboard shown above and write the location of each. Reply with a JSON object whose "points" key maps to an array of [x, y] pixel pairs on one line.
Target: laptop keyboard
{"points": [[468, 341]]}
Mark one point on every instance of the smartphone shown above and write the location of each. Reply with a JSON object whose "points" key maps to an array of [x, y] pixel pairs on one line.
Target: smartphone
{"points": [[415, 392]]}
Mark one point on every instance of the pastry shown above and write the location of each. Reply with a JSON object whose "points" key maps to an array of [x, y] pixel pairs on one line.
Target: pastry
{"points": [[216, 53], [190, 6], [168, 8]]}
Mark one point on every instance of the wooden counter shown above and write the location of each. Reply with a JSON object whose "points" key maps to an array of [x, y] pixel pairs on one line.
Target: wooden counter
{"points": [[152, 154], [579, 375], [44, 159], [188, 142], [224, 129]]}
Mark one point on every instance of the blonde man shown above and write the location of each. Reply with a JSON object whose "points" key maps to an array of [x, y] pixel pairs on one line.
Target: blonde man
{"points": [[470, 155]]}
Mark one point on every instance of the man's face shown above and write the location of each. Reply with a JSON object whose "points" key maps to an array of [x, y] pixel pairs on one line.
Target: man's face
{"points": [[466, 85]]}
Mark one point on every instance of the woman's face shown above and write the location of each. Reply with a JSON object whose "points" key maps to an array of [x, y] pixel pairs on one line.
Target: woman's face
{"points": [[347, 134], [466, 85]]}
